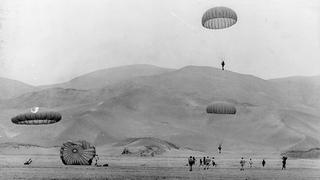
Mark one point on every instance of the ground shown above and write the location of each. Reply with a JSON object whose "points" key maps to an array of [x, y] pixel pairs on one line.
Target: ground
{"points": [[161, 167]]}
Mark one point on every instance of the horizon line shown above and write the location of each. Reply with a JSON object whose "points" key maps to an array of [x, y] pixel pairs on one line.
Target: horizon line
{"points": [[174, 69]]}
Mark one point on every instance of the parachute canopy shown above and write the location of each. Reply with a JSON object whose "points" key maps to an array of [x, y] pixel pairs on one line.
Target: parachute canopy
{"points": [[221, 108], [219, 18], [77, 153], [37, 118]]}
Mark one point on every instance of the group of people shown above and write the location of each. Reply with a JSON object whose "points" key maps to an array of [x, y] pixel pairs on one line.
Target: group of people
{"points": [[206, 161], [243, 162]]}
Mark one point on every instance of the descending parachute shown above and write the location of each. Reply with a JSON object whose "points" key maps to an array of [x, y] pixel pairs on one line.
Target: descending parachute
{"points": [[37, 118], [221, 108], [219, 18], [77, 153]]}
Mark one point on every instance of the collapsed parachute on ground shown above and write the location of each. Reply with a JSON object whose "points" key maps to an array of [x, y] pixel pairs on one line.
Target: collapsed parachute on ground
{"points": [[38, 118], [219, 18], [221, 108], [77, 153]]}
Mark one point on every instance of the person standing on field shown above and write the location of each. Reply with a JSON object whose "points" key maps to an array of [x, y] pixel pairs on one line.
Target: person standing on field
{"points": [[263, 163], [207, 163], [223, 64], [242, 163], [250, 163], [191, 161], [284, 162]]}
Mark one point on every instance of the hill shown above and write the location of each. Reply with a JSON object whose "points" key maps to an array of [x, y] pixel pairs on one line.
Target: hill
{"points": [[146, 146], [26, 149], [12, 88], [171, 106], [105, 77], [304, 90]]}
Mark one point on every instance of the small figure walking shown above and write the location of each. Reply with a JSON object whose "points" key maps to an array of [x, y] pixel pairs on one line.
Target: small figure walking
{"points": [[194, 160], [96, 158], [250, 163], [207, 163], [213, 162], [191, 162], [222, 64], [263, 163], [242, 163], [200, 162], [284, 162], [219, 148]]}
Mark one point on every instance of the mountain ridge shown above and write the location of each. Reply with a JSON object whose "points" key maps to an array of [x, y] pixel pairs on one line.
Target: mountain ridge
{"points": [[170, 105], [10, 88]]}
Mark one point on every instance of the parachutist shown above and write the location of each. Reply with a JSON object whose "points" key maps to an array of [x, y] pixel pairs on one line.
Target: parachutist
{"points": [[222, 64], [219, 148], [221, 108]]}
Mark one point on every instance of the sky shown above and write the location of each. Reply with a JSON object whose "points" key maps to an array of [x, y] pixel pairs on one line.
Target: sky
{"points": [[53, 41]]}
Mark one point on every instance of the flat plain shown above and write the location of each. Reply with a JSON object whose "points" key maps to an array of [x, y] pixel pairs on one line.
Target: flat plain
{"points": [[159, 167]]}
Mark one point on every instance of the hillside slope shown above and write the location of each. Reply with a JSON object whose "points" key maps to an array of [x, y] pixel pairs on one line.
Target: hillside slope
{"points": [[171, 106], [304, 90], [12, 88], [105, 77]]}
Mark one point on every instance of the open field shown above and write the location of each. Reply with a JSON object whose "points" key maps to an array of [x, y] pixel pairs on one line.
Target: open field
{"points": [[164, 167]]}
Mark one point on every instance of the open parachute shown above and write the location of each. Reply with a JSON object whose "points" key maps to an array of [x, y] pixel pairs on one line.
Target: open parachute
{"points": [[77, 153], [37, 118], [221, 108], [219, 18]]}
